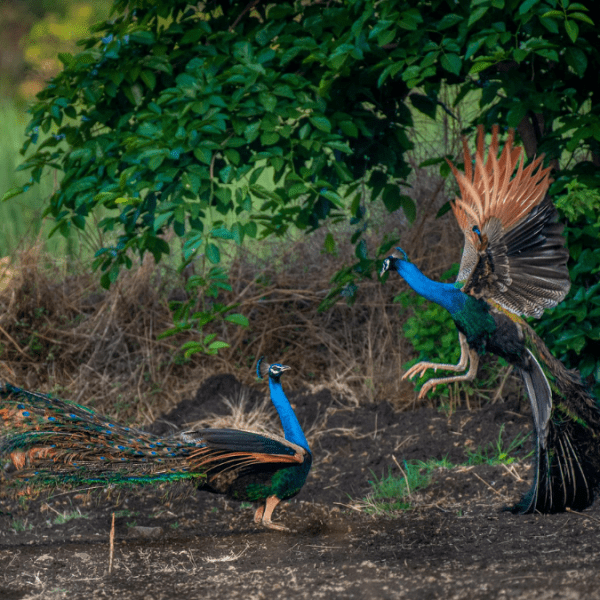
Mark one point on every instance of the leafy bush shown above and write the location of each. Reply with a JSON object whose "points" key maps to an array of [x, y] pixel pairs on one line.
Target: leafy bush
{"points": [[231, 120]]}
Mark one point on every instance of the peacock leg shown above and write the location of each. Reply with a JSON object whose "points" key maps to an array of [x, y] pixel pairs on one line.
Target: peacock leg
{"points": [[258, 515], [266, 512], [420, 368], [469, 376]]}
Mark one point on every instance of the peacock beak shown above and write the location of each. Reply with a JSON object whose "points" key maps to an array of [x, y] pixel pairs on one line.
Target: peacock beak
{"points": [[284, 368], [385, 267]]}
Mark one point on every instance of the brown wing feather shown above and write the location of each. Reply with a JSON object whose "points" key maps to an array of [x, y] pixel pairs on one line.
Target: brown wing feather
{"points": [[219, 452], [518, 259], [488, 190]]}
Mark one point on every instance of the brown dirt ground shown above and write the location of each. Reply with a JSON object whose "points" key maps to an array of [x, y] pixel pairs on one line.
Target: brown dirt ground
{"points": [[456, 543]]}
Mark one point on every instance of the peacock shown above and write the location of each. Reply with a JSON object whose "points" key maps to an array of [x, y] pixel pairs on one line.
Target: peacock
{"points": [[514, 265], [46, 442]]}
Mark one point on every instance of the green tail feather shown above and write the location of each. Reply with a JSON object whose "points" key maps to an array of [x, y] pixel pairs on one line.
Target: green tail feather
{"points": [[48, 442]]}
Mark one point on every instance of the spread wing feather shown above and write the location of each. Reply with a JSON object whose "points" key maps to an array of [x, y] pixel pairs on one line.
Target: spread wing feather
{"points": [[514, 252]]}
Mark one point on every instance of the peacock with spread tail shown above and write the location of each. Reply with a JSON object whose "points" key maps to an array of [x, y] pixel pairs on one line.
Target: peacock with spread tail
{"points": [[46, 442], [514, 265]]}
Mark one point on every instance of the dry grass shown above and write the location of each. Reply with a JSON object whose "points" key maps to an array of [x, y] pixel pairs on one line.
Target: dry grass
{"points": [[63, 334]]}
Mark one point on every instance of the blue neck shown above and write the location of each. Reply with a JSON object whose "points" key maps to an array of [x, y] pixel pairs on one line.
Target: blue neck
{"points": [[291, 428], [444, 294]]}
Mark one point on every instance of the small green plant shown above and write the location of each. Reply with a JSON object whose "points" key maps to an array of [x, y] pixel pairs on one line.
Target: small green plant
{"points": [[19, 526], [187, 315], [496, 453], [125, 512], [391, 493], [66, 517]]}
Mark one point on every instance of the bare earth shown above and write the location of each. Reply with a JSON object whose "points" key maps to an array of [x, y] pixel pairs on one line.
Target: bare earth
{"points": [[456, 543]]}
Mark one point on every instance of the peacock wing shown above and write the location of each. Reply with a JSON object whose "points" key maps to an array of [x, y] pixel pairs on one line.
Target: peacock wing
{"points": [[514, 252]]}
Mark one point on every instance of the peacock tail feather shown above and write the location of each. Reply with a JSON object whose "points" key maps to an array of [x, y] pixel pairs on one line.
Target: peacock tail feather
{"points": [[567, 466], [50, 442]]}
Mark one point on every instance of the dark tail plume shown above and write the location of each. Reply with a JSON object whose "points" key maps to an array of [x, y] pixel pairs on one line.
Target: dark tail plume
{"points": [[567, 426]]}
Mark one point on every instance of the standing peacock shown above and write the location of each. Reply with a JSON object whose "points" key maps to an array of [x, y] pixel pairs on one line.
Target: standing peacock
{"points": [[46, 442], [514, 265]]}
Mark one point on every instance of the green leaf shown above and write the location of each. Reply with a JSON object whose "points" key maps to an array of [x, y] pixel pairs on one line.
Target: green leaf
{"points": [[238, 319], [572, 30], [477, 14], [149, 79], [527, 6], [552, 13], [269, 101], [391, 197], [14, 191], [516, 113], [329, 244], [218, 345], [424, 104], [191, 348], [409, 207], [251, 229], [332, 197], [452, 63], [581, 17], [203, 155], [213, 254], [473, 46], [349, 128], [576, 59], [449, 20], [361, 250], [479, 66], [321, 122]]}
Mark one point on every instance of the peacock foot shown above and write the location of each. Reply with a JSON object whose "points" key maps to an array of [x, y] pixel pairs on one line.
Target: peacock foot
{"points": [[429, 385], [419, 369], [263, 515], [275, 526]]}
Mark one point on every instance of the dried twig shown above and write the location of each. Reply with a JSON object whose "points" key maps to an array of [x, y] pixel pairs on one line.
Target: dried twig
{"points": [[111, 541]]}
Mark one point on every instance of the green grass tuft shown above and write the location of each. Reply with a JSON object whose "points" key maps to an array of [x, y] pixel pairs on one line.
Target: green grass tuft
{"points": [[392, 494], [496, 453], [66, 517]]}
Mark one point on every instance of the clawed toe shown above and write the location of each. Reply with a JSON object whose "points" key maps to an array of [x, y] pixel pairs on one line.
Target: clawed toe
{"points": [[276, 526]]}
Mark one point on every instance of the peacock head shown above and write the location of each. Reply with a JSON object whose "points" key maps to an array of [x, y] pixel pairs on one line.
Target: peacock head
{"points": [[392, 259], [274, 371]]}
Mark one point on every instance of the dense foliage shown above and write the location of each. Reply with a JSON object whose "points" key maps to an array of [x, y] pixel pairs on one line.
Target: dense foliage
{"points": [[234, 119]]}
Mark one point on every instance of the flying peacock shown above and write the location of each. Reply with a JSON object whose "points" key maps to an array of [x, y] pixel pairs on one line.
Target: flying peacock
{"points": [[514, 265], [46, 442]]}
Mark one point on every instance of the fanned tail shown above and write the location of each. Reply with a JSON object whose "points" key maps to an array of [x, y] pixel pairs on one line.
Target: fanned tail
{"points": [[45, 442], [567, 425]]}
